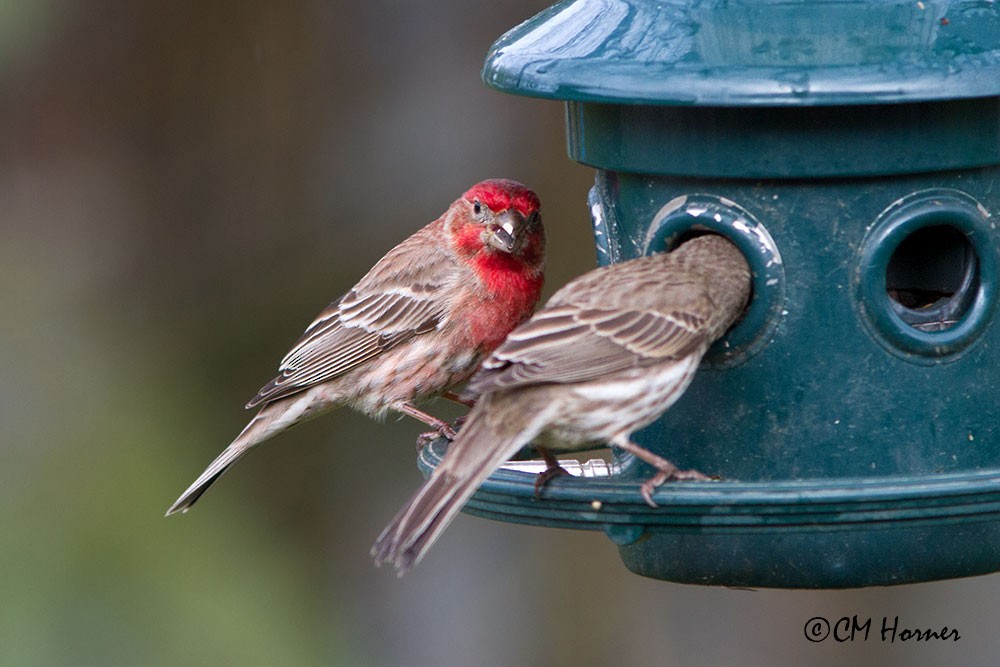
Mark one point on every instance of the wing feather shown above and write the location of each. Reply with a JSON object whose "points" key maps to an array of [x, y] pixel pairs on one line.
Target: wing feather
{"points": [[397, 300], [599, 324]]}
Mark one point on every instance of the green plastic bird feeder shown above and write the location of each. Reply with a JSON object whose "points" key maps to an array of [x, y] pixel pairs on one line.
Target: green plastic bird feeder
{"points": [[852, 150]]}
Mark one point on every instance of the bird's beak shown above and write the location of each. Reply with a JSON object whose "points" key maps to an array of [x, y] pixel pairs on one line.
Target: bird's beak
{"points": [[504, 230]]}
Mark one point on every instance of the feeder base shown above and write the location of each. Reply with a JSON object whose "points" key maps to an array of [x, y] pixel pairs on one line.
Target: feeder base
{"points": [[818, 559]]}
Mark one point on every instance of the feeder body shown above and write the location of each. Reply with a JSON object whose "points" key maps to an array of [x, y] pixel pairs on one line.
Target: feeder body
{"points": [[852, 150]]}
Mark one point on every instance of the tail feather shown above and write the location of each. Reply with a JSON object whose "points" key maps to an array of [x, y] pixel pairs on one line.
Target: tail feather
{"points": [[483, 444], [218, 467], [272, 419]]}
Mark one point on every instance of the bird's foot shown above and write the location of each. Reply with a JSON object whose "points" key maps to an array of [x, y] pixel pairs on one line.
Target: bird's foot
{"points": [[552, 470], [441, 430], [543, 478], [667, 470], [667, 474]]}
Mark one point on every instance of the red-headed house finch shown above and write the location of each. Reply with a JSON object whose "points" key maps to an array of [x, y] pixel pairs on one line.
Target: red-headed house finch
{"points": [[418, 324], [607, 355]]}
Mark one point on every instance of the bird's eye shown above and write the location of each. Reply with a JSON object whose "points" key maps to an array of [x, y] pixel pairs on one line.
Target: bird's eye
{"points": [[477, 208]]}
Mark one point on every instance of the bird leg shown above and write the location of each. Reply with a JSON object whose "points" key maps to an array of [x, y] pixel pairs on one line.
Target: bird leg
{"points": [[455, 398], [467, 402], [552, 470], [667, 470], [441, 428]]}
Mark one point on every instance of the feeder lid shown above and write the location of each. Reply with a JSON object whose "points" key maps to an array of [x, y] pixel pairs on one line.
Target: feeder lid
{"points": [[752, 52]]}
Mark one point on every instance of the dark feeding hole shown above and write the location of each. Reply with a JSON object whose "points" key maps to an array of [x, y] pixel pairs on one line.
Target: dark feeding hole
{"points": [[932, 278]]}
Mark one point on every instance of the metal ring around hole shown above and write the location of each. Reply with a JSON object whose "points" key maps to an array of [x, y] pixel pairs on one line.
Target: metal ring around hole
{"points": [[707, 212], [928, 208]]}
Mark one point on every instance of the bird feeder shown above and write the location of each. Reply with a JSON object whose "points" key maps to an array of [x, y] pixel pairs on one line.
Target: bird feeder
{"points": [[851, 149]]}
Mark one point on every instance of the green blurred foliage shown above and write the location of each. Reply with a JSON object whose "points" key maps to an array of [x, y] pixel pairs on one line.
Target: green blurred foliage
{"points": [[182, 187]]}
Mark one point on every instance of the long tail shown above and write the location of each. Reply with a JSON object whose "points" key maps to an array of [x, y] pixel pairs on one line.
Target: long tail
{"points": [[485, 442], [272, 419]]}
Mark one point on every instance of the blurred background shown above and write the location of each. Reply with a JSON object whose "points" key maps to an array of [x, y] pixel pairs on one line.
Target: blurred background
{"points": [[183, 186]]}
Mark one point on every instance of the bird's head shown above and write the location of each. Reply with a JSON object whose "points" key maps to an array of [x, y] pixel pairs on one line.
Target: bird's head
{"points": [[499, 216]]}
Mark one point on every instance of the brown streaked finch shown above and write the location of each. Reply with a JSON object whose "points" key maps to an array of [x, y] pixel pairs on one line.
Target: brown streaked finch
{"points": [[418, 324], [607, 355]]}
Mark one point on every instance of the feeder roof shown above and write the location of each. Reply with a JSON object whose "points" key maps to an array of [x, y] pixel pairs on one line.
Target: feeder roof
{"points": [[752, 52]]}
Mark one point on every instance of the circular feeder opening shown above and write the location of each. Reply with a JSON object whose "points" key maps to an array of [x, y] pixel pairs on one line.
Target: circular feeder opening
{"points": [[692, 215], [932, 277], [927, 276]]}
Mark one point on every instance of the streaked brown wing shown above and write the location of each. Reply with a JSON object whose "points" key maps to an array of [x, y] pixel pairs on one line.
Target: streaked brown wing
{"points": [[393, 303], [333, 348], [566, 344]]}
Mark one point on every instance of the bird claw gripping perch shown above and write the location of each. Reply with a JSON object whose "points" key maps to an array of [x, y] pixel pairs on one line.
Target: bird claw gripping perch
{"points": [[552, 470]]}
